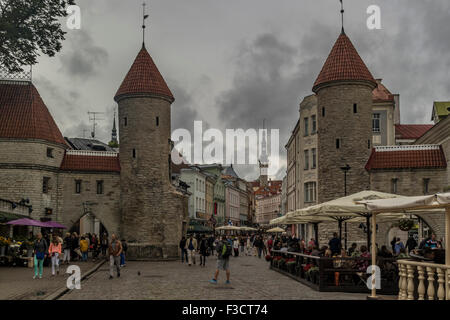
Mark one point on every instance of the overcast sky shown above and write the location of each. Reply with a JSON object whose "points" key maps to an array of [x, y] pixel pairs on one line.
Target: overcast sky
{"points": [[232, 63]]}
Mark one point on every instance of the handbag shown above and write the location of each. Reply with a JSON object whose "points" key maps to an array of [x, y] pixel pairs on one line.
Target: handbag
{"points": [[40, 255]]}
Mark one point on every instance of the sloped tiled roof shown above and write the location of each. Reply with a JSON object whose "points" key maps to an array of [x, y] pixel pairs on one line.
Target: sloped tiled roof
{"points": [[407, 157], [381, 93], [90, 161], [88, 144], [343, 63], [23, 114], [229, 171], [411, 131], [144, 78]]}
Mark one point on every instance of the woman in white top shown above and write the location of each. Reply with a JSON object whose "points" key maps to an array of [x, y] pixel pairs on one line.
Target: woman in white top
{"points": [[236, 247]]}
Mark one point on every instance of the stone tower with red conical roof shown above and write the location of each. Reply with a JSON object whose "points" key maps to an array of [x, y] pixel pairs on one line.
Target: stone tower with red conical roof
{"points": [[152, 211], [344, 97]]}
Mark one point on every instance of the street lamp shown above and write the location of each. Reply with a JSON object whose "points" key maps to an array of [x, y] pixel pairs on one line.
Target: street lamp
{"points": [[345, 169]]}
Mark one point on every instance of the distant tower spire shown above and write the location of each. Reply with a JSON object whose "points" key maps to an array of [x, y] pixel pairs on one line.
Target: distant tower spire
{"points": [[114, 142], [144, 16], [263, 161], [342, 14]]}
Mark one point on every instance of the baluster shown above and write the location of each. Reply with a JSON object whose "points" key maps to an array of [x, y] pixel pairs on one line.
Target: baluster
{"points": [[400, 281], [421, 287], [430, 289], [441, 280], [410, 286], [447, 288], [405, 283]]}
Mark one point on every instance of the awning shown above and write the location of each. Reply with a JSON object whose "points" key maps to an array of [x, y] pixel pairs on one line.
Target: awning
{"points": [[198, 228], [7, 216]]}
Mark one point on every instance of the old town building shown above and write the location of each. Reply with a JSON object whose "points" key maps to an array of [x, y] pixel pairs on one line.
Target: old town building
{"points": [[131, 196]]}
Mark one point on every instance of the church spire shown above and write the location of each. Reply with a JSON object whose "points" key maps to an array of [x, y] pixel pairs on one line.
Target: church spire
{"points": [[263, 161], [342, 14], [114, 143]]}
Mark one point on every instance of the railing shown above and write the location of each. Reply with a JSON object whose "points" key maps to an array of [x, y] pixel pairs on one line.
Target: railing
{"points": [[420, 280], [335, 274]]}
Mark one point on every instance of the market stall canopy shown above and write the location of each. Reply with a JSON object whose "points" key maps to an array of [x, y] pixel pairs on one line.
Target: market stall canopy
{"points": [[434, 203], [346, 206], [28, 222], [228, 228], [247, 229], [274, 230]]}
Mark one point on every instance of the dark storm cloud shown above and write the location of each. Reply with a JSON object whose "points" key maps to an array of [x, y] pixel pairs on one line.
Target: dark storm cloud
{"points": [[83, 58]]}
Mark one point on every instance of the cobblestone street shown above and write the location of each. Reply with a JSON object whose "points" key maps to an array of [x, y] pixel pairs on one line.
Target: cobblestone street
{"points": [[251, 278], [17, 283]]}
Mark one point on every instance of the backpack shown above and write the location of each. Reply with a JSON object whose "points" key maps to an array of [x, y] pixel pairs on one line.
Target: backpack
{"points": [[226, 250]]}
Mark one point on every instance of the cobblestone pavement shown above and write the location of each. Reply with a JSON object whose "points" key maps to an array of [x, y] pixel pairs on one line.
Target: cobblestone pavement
{"points": [[17, 283], [251, 278]]}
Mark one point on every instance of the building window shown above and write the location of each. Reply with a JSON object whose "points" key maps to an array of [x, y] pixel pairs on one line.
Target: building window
{"points": [[310, 192], [77, 186], [394, 186], [313, 124], [426, 184], [313, 153], [157, 121], [376, 122], [338, 143], [306, 160], [100, 187], [125, 121], [49, 152], [368, 144], [134, 153], [45, 184], [355, 108], [323, 112], [306, 126]]}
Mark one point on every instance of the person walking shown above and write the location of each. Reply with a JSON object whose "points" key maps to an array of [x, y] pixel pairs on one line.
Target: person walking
{"points": [[84, 247], [224, 252], [259, 245], [248, 247], [54, 251], [104, 244], [411, 243], [241, 244], [183, 249], [203, 248], [236, 247], [191, 247], [67, 244], [124, 252], [114, 251], [40, 251], [94, 247]]}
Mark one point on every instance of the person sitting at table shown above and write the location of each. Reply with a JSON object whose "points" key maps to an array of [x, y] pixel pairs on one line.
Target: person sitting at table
{"points": [[362, 264], [402, 254], [384, 252], [432, 243], [352, 249]]}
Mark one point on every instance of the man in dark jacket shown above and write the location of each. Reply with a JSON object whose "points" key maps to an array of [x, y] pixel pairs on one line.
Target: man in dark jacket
{"points": [[335, 245], [411, 244], [183, 249]]}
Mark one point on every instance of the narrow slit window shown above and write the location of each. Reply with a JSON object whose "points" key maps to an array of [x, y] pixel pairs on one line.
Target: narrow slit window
{"points": [[157, 121], [338, 143], [125, 121], [355, 108], [134, 153], [323, 112]]}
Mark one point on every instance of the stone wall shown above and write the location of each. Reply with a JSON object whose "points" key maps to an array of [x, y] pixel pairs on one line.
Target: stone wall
{"points": [[354, 131]]}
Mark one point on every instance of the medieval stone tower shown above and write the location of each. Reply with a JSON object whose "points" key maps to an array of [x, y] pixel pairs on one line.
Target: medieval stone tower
{"points": [[344, 92], [152, 210]]}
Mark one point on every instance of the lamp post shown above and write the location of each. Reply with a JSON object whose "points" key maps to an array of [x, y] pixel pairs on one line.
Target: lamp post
{"points": [[345, 169]]}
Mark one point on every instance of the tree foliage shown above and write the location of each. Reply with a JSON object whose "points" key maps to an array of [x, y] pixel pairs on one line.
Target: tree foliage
{"points": [[28, 27]]}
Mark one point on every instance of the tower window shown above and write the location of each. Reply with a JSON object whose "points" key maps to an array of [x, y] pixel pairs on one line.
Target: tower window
{"points": [[306, 167], [100, 187], [77, 186], [134, 153], [314, 124], [376, 122], [355, 108], [323, 112], [157, 121], [368, 144], [338, 143], [49, 152], [45, 184], [306, 127], [426, 184], [394, 185], [125, 121]]}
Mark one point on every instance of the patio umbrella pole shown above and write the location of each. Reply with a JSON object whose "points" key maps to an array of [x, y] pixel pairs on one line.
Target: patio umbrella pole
{"points": [[340, 230], [368, 231], [374, 258]]}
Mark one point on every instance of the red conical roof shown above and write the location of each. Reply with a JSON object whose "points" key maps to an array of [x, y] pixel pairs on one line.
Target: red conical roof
{"points": [[23, 114], [343, 63], [144, 78]]}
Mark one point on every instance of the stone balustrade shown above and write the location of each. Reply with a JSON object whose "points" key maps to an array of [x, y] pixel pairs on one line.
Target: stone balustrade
{"points": [[423, 281]]}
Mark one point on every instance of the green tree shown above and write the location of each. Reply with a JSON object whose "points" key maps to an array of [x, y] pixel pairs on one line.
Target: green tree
{"points": [[27, 27]]}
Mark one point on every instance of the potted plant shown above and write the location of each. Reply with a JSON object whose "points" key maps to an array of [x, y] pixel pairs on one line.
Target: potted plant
{"points": [[4, 243], [291, 264], [406, 224]]}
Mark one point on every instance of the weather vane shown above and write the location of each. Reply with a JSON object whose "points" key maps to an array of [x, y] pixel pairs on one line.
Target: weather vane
{"points": [[144, 16], [342, 14]]}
